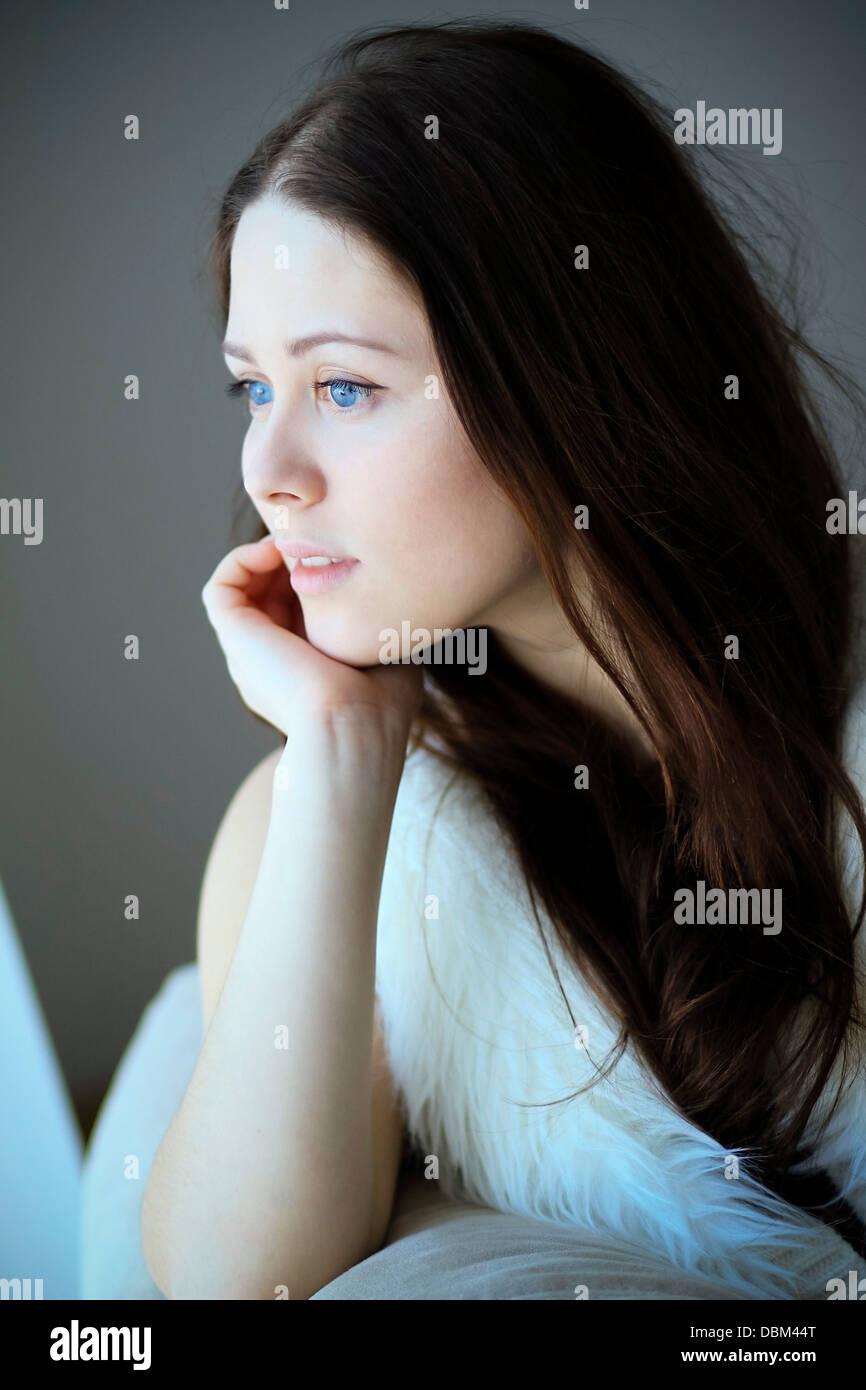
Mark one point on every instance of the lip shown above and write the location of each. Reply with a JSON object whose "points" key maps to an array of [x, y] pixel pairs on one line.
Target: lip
{"points": [[301, 550], [315, 580]]}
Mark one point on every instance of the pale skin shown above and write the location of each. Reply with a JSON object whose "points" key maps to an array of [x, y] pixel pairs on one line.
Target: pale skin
{"points": [[280, 1164]]}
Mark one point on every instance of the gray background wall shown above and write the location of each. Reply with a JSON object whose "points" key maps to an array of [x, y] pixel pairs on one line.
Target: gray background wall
{"points": [[115, 774]]}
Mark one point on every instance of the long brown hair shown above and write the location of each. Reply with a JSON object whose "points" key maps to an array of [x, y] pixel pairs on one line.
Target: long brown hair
{"points": [[606, 387]]}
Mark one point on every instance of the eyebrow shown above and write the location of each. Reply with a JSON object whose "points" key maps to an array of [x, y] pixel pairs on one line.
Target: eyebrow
{"points": [[299, 346]]}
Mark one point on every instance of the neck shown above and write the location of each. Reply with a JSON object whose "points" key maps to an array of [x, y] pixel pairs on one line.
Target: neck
{"points": [[545, 646]]}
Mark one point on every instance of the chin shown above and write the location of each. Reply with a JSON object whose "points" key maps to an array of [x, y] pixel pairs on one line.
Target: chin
{"points": [[342, 642]]}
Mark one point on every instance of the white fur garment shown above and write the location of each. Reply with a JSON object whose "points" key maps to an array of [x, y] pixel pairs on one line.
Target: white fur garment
{"points": [[475, 1024]]}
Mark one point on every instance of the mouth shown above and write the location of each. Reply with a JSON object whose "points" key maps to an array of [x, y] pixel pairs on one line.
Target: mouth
{"points": [[317, 573], [312, 561], [312, 571]]}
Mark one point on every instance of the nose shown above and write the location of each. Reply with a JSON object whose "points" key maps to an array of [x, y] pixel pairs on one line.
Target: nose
{"points": [[278, 466]]}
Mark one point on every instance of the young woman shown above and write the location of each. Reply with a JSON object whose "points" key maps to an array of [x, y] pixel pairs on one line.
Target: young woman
{"points": [[592, 946]]}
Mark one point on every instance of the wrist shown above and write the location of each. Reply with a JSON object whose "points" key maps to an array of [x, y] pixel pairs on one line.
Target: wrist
{"points": [[356, 745]]}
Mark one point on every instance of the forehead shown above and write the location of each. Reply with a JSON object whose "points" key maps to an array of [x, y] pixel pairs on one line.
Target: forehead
{"points": [[289, 266]]}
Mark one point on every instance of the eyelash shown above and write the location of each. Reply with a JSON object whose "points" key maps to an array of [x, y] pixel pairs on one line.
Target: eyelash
{"points": [[239, 388]]}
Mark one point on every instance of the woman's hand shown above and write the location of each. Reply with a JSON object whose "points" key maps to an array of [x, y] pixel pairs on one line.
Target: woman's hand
{"points": [[258, 620]]}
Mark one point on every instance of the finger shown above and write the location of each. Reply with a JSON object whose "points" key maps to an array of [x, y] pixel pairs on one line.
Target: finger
{"points": [[273, 593], [229, 585], [275, 583], [285, 612], [269, 582]]}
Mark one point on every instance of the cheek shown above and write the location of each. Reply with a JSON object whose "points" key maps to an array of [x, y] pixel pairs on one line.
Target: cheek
{"points": [[439, 542], [453, 542]]}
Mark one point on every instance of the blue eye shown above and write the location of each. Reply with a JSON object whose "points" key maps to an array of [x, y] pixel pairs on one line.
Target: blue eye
{"points": [[342, 387], [239, 388], [346, 397]]}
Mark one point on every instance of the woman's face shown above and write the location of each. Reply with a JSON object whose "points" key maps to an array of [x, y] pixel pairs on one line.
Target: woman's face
{"points": [[377, 468]]}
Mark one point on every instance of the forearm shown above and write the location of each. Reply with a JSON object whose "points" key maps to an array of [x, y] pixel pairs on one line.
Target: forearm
{"points": [[265, 1175]]}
